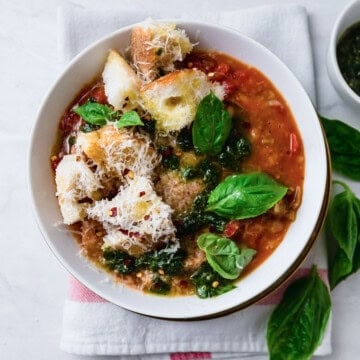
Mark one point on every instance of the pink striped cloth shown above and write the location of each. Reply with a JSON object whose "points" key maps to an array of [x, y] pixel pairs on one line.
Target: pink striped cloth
{"points": [[93, 326]]}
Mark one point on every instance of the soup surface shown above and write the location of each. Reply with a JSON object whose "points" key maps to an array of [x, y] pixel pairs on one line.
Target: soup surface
{"points": [[178, 175]]}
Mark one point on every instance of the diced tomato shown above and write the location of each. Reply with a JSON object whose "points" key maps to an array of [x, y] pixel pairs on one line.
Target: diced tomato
{"points": [[55, 160], [184, 284], [98, 95], [232, 228], [294, 144], [201, 62], [68, 122], [229, 86]]}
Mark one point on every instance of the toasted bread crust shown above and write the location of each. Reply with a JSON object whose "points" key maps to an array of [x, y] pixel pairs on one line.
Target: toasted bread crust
{"points": [[142, 55], [171, 79]]}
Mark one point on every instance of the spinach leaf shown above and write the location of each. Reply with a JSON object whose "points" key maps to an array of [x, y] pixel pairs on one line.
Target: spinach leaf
{"points": [[235, 150], [344, 143], [170, 260], [184, 140], [212, 125], [343, 235], [297, 325], [95, 113], [130, 118], [224, 256], [86, 128], [119, 261], [245, 195], [208, 283], [159, 285]]}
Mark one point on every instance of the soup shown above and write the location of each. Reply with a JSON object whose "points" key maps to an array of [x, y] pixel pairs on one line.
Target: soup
{"points": [[181, 173]]}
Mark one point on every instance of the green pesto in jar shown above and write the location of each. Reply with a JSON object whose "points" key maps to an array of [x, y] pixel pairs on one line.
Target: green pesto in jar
{"points": [[348, 56]]}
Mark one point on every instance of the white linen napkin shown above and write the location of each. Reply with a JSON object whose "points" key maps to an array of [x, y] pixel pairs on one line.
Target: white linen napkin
{"points": [[92, 326]]}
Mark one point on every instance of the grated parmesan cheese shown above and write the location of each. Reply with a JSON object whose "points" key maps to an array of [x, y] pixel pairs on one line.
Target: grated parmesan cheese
{"points": [[116, 151], [156, 46], [136, 218]]}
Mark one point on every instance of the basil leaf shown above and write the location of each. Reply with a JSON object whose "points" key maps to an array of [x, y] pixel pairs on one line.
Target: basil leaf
{"points": [[212, 125], [343, 235], [130, 118], [297, 325], [344, 143], [95, 113], [245, 195], [224, 256], [344, 228]]}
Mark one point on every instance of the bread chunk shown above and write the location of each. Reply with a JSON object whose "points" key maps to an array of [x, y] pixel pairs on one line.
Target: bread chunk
{"points": [[116, 151], [74, 182], [173, 99], [136, 219], [156, 47], [120, 82]]}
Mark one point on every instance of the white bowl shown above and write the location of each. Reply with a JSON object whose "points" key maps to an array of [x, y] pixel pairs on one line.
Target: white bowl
{"points": [[349, 16], [276, 269]]}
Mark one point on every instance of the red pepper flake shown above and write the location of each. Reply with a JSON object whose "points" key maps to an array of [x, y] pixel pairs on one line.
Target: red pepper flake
{"points": [[294, 144], [166, 151], [125, 172], [134, 234], [127, 262], [232, 228], [113, 212], [141, 193], [146, 217], [125, 232]]}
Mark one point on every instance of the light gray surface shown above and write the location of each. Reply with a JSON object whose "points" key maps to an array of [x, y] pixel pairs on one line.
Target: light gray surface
{"points": [[32, 282]]}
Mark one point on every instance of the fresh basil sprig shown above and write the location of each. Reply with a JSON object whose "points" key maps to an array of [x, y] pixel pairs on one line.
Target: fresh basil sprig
{"points": [[95, 113], [245, 195], [212, 125], [224, 256], [344, 143], [130, 118], [343, 226], [297, 325]]}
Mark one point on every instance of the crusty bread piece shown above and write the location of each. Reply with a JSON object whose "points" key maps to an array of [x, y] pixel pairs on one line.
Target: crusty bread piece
{"points": [[157, 46], [173, 99], [120, 82], [136, 219], [116, 150], [143, 56], [74, 181]]}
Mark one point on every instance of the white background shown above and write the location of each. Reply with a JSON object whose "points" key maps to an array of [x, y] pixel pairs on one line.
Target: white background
{"points": [[32, 283]]}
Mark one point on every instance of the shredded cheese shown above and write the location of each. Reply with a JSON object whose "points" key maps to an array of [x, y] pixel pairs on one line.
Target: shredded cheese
{"points": [[155, 46], [117, 151], [135, 217]]}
